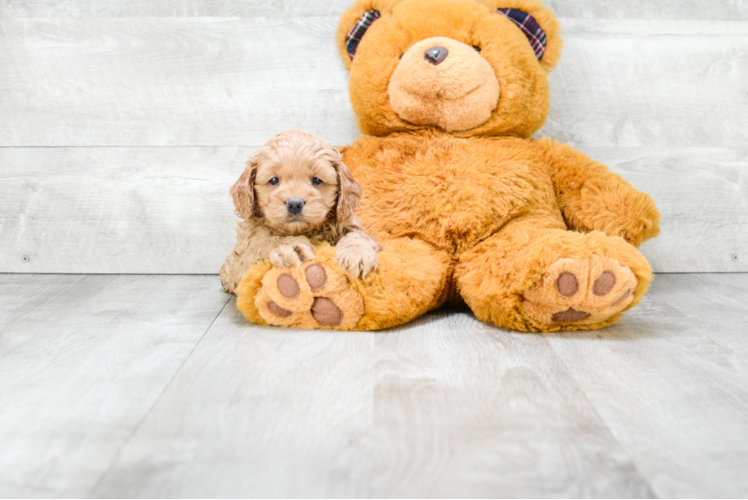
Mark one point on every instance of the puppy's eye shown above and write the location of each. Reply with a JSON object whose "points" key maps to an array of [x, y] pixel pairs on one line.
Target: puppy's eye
{"points": [[274, 181], [477, 49], [316, 181]]}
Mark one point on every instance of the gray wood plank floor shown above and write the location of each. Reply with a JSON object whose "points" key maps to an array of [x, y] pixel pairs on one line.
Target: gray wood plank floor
{"points": [[153, 386], [82, 360]]}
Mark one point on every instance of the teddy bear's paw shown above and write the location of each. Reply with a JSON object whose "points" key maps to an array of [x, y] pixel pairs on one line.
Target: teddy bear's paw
{"points": [[309, 296], [580, 291]]}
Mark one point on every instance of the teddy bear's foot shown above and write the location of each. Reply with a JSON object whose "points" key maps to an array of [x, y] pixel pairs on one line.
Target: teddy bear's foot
{"points": [[308, 296], [409, 281], [580, 291]]}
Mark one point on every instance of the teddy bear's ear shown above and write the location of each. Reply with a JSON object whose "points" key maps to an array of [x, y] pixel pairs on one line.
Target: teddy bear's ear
{"points": [[537, 22], [354, 23], [356, 33]]}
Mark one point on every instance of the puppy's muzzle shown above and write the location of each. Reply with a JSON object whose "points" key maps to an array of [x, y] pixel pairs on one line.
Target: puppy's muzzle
{"points": [[294, 205]]}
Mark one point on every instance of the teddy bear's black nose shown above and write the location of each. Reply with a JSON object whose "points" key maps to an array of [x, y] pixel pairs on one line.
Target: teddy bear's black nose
{"points": [[436, 55], [294, 205]]}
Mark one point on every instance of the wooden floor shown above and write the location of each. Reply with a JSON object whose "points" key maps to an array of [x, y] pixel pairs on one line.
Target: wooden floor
{"points": [[155, 386]]}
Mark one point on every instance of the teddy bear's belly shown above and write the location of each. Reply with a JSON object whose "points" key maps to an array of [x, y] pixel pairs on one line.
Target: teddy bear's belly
{"points": [[453, 197]]}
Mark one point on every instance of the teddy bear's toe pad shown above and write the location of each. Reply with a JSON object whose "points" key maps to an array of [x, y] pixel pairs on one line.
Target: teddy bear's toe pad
{"points": [[580, 291], [287, 286], [309, 296], [570, 314], [316, 276], [325, 312]]}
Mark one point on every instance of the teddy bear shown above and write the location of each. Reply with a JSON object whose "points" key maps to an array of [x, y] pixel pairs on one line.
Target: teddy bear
{"points": [[468, 208]]}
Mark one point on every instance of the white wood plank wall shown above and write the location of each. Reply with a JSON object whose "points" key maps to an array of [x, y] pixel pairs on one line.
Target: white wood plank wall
{"points": [[124, 123], [626, 9]]}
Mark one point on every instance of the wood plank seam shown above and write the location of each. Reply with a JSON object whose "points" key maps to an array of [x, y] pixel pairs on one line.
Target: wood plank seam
{"points": [[134, 430], [592, 405]]}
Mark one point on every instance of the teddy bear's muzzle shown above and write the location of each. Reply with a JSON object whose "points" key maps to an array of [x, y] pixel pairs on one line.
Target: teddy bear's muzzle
{"points": [[455, 89]]}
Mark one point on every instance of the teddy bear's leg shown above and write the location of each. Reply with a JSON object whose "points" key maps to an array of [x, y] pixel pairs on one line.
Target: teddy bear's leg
{"points": [[531, 278], [411, 279]]}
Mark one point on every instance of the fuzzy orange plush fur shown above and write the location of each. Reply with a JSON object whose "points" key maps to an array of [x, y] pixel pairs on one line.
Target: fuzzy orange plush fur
{"points": [[531, 234]]}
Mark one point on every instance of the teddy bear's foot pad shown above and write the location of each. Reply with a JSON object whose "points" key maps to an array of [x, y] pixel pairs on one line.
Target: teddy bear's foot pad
{"points": [[309, 296], [580, 291]]}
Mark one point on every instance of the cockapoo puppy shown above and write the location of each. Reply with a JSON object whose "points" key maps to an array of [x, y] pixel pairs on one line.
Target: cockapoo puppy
{"points": [[295, 191]]}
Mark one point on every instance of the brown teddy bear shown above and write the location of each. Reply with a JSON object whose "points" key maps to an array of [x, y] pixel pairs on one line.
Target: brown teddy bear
{"points": [[531, 234]]}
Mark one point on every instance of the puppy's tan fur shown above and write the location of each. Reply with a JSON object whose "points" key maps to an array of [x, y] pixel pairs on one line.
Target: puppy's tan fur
{"points": [[269, 231]]}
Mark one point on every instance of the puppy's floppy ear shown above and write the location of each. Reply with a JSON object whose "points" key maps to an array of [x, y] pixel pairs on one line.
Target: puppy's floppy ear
{"points": [[349, 192], [243, 191]]}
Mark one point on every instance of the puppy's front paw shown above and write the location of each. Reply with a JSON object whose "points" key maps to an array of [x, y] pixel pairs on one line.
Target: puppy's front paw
{"points": [[289, 255], [356, 260], [285, 256], [305, 252]]}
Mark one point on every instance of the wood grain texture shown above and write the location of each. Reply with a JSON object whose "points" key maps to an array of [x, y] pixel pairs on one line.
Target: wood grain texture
{"points": [[464, 409], [117, 210], [443, 407], [168, 82], [111, 387], [702, 194], [82, 360], [257, 412], [176, 8], [664, 9], [671, 382], [235, 81], [167, 210], [651, 83]]}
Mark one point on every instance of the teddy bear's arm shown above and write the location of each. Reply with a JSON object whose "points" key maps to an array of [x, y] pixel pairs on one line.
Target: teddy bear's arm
{"points": [[593, 198]]}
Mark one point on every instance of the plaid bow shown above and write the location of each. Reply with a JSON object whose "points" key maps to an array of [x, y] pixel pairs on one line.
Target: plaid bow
{"points": [[530, 28], [353, 38]]}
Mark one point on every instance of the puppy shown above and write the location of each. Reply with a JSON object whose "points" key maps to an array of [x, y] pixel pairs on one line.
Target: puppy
{"points": [[295, 191]]}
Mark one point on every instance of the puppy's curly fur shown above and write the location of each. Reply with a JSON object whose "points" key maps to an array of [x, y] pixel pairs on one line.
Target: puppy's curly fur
{"points": [[297, 168]]}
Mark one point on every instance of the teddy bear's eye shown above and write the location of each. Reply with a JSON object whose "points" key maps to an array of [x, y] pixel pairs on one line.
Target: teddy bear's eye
{"points": [[316, 181], [477, 49], [274, 181]]}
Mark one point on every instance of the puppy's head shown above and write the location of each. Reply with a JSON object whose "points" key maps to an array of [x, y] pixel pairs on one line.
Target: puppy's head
{"points": [[296, 182]]}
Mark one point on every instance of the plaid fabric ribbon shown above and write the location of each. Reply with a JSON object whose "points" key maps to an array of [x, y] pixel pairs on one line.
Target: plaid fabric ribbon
{"points": [[354, 36], [530, 28]]}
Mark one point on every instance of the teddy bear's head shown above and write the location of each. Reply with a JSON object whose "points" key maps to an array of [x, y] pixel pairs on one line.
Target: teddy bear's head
{"points": [[469, 67]]}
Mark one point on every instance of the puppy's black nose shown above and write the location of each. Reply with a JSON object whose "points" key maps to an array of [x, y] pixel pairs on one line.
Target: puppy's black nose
{"points": [[294, 205], [436, 55]]}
